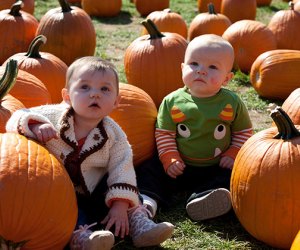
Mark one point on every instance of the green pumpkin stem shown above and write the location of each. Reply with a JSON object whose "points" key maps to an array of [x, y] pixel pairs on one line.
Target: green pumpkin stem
{"points": [[152, 29], [34, 47], [65, 6], [15, 8], [9, 77], [211, 9], [285, 126]]}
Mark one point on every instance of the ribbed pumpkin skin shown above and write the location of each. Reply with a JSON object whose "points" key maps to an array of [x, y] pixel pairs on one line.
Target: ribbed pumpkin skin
{"points": [[168, 21], [246, 37], [49, 69], [206, 23], [136, 114], [103, 8], [19, 32], [154, 65], [8, 105], [29, 90], [264, 188], [237, 10], [291, 106], [28, 5], [145, 7], [202, 5], [285, 26], [275, 74], [70, 35], [38, 200]]}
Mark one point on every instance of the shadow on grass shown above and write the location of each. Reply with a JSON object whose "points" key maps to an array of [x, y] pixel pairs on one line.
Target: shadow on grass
{"points": [[123, 18]]}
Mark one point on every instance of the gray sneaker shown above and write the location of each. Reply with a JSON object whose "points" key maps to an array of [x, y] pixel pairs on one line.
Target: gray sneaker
{"points": [[209, 204]]}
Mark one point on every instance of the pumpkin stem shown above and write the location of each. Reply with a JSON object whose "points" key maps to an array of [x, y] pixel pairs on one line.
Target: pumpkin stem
{"points": [[15, 8], [65, 6], [211, 9], [34, 47], [152, 29], [291, 5], [285, 126], [9, 77]]}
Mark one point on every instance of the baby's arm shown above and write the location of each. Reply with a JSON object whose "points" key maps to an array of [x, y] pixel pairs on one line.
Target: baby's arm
{"points": [[43, 131], [175, 169]]}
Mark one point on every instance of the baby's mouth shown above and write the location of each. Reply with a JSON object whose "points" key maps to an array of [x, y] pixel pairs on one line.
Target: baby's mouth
{"points": [[94, 105]]}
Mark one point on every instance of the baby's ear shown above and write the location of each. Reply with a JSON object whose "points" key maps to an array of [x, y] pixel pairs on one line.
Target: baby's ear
{"points": [[228, 78], [65, 95], [117, 101]]}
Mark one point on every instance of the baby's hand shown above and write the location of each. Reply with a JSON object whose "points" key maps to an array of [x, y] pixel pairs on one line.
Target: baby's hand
{"points": [[43, 131], [226, 162], [175, 169], [118, 216]]}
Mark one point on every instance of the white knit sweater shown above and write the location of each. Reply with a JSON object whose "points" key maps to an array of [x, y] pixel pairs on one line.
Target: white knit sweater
{"points": [[106, 149]]}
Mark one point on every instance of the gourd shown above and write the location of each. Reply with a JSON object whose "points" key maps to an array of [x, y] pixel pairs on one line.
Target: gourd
{"points": [[38, 208], [291, 106], [48, 68], [209, 22], [103, 8], [17, 29], [153, 62], [8, 104], [168, 21], [275, 73], [246, 37], [265, 183], [136, 114], [78, 41], [237, 10], [145, 7]]}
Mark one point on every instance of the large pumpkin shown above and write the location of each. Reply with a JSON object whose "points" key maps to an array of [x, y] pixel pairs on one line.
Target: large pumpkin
{"points": [[275, 73], [291, 106], [246, 37], [136, 114], [8, 104], [153, 62], [38, 204], [285, 26], [103, 8], [28, 5], [237, 10], [47, 67], [265, 183], [69, 31], [17, 29], [145, 7]]}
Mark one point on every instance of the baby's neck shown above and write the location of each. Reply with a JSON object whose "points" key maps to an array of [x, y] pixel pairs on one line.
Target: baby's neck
{"points": [[82, 128]]}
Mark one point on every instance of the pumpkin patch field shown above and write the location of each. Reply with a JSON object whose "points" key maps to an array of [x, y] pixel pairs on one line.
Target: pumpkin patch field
{"points": [[146, 41]]}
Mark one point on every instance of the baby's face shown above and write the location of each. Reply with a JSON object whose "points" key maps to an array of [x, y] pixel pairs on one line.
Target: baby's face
{"points": [[206, 68]]}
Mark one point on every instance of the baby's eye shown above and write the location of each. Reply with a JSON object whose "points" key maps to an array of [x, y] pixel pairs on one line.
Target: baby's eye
{"points": [[213, 67], [194, 63], [85, 86], [105, 89]]}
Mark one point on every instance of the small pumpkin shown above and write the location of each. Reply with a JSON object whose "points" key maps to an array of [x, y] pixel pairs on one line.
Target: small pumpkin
{"points": [[208, 23], [168, 21], [246, 37], [8, 104], [153, 62], [38, 207], [145, 7], [269, 76], [103, 8], [136, 105], [78, 41], [237, 10], [45, 66], [265, 183], [291, 106]]}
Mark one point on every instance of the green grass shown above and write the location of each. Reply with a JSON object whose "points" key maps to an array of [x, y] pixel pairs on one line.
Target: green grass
{"points": [[113, 37]]}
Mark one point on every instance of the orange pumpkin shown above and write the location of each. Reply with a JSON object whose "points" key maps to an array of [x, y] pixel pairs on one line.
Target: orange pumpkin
{"points": [[38, 208], [168, 21], [17, 29], [265, 183], [8, 104], [45, 66], [296, 242], [291, 106], [136, 105], [208, 23], [275, 74], [246, 37], [237, 10], [263, 2], [145, 7], [153, 62], [297, 6], [103, 8], [78, 41], [285, 26], [28, 5], [203, 5]]}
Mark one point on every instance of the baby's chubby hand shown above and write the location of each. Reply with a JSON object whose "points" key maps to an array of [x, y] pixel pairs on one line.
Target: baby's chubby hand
{"points": [[43, 131], [175, 169], [226, 162]]}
